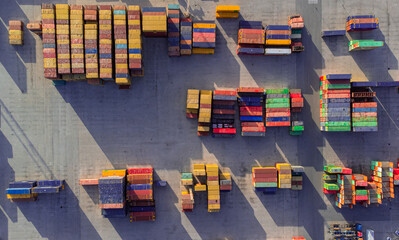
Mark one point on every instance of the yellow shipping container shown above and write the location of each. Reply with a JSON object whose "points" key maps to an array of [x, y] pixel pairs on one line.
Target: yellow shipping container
{"points": [[76, 12], [91, 26], [204, 25], [64, 65], [48, 30], [90, 36], [119, 22], [61, 11], [200, 188], [227, 15], [47, 11], [105, 17], [15, 32], [213, 188], [48, 16], [214, 197], [19, 196], [61, 6], [109, 173], [49, 62], [91, 55], [123, 81], [204, 115], [104, 12], [203, 51], [120, 17], [278, 41], [121, 65], [63, 41], [15, 37], [135, 56], [76, 36], [60, 31], [105, 27], [120, 41], [284, 176], [91, 75], [105, 70], [212, 183], [224, 176], [135, 45], [121, 56], [159, 18], [105, 41], [214, 206], [204, 120], [133, 22], [193, 106], [227, 8], [134, 32], [62, 27], [76, 17], [91, 65], [64, 56], [76, 45], [77, 31], [203, 129], [133, 7], [61, 17]]}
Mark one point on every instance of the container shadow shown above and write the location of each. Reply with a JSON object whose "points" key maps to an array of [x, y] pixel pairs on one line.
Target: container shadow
{"points": [[46, 211], [338, 45], [375, 63]]}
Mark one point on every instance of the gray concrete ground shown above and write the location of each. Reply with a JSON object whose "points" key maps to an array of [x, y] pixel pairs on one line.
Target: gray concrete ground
{"points": [[77, 130]]}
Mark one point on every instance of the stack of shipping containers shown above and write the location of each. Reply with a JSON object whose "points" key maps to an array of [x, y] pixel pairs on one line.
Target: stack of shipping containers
{"points": [[35, 27], [154, 22], [122, 76], [91, 47], [21, 191], [49, 186], [264, 179], [361, 23], [335, 100], [250, 101], [364, 111], [111, 187], [278, 108], [297, 177], [227, 11], [77, 48], [356, 45], [284, 175], [173, 30], [278, 40], [205, 110], [192, 103], [186, 36], [296, 24], [297, 126], [204, 37], [382, 175], [199, 174], [105, 46], [396, 174], [15, 33], [135, 41], [346, 194], [63, 43], [361, 192], [223, 113], [251, 38], [49, 42], [186, 187], [330, 185], [140, 194], [375, 193], [212, 180], [225, 182]]}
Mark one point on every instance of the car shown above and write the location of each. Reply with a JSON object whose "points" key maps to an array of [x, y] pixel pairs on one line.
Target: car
{"points": [[389, 238], [397, 233]]}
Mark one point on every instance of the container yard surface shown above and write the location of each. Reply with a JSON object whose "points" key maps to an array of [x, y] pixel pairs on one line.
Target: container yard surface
{"points": [[77, 130]]}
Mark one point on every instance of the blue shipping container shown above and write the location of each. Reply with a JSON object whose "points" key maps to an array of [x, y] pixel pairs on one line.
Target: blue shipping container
{"points": [[18, 190], [338, 76], [251, 118], [46, 189], [364, 109], [22, 184]]}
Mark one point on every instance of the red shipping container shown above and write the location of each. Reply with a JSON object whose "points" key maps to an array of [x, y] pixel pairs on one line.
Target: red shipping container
{"points": [[48, 21], [256, 109], [364, 114], [336, 95], [250, 90], [153, 13], [120, 51], [295, 95], [296, 100], [278, 124], [278, 114], [342, 81], [224, 102], [361, 183], [337, 91], [224, 130], [212, 178], [252, 124], [329, 191], [253, 129], [278, 32], [142, 214], [277, 109], [225, 187], [62, 21], [139, 170], [121, 70], [91, 70], [112, 205], [120, 60], [346, 171], [361, 197], [223, 111], [364, 105]]}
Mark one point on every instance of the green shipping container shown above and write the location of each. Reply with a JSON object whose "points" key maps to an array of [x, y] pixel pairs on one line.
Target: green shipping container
{"points": [[297, 128], [338, 124], [337, 129], [277, 91], [277, 105], [296, 31], [326, 167], [364, 119], [295, 133], [338, 86], [329, 177], [266, 184], [331, 186], [277, 100], [365, 124], [334, 170], [187, 176], [361, 192]]}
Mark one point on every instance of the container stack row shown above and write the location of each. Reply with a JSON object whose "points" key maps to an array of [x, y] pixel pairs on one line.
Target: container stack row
{"points": [[277, 106], [135, 41], [186, 36], [251, 38], [250, 101], [199, 175], [361, 192], [297, 177], [330, 185], [105, 40], [227, 11], [278, 40], [264, 179], [122, 76], [335, 111], [284, 175], [173, 30], [346, 194], [49, 186], [296, 24], [21, 191], [396, 175], [382, 175], [355, 45], [63, 43], [362, 23], [223, 113], [15, 33], [364, 114], [204, 37], [212, 180], [111, 188], [297, 127], [375, 193], [192, 103], [154, 22], [205, 112], [91, 38], [140, 194], [49, 41], [77, 48], [35, 27], [186, 187], [225, 182]]}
